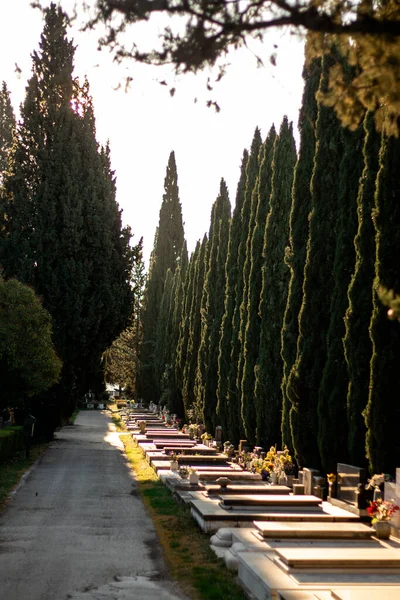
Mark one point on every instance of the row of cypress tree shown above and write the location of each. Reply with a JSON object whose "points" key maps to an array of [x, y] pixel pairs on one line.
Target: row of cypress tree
{"points": [[60, 224], [273, 328]]}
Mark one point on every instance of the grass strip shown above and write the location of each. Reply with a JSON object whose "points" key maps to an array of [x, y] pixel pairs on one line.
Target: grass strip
{"points": [[187, 551], [12, 470]]}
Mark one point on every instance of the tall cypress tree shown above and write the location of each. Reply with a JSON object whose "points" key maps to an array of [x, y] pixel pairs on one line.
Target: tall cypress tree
{"points": [[261, 205], [227, 408], [357, 342], [213, 307], [295, 253], [189, 374], [165, 255], [184, 326], [275, 279], [63, 233], [332, 408], [305, 376], [233, 389], [175, 401], [383, 410], [7, 129]]}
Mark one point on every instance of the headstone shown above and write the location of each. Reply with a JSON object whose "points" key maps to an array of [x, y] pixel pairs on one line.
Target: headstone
{"points": [[348, 479], [308, 480], [242, 443], [398, 483], [218, 433]]}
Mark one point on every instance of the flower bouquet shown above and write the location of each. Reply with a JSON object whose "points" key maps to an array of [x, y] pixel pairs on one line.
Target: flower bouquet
{"points": [[381, 510]]}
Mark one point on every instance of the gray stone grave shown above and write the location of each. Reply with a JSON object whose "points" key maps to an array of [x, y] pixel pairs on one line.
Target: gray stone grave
{"points": [[308, 480], [351, 493]]}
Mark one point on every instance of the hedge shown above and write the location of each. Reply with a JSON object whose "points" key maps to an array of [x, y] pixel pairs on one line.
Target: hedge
{"points": [[11, 440]]}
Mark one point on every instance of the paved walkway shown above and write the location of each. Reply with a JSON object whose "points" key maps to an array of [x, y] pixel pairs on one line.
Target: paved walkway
{"points": [[77, 529]]}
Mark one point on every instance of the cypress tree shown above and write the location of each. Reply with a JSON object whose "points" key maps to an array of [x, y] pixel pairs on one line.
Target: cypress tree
{"points": [[295, 252], [357, 342], [63, 233], [165, 255], [7, 129], [275, 279], [261, 204], [305, 376], [383, 410], [212, 308], [184, 326], [227, 408], [189, 375], [236, 426], [175, 401], [332, 410]]}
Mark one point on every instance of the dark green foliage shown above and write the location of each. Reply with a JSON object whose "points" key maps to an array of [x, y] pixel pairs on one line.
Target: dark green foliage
{"points": [[7, 129], [63, 232], [305, 376], [357, 342], [184, 325], [121, 359], [295, 252], [251, 336], [212, 309], [29, 364], [168, 335], [168, 244], [228, 408], [332, 406], [190, 367], [382, 413], [275, 280], [236, 426]]}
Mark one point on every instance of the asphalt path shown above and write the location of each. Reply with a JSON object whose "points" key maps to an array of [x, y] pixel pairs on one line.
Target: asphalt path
{"points": [[76, 527]]}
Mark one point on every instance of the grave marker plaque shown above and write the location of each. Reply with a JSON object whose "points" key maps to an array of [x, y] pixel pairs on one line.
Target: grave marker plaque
{"points": [[348, 479]]}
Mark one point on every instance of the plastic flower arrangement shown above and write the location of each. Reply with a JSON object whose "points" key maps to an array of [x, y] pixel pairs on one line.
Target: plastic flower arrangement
{"points": [[377, 480], [381, 510], [331, 477], [269, 460], [286, 462]]}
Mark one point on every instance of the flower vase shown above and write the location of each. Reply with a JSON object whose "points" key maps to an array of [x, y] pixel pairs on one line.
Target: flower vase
{"points": [[282, 479], [332, 489], [193, 478], [377, 493], [174, 465], [382, 529], [274, 478]]}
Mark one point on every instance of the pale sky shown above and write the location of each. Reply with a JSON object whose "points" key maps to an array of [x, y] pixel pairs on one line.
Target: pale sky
{"points": [[145, 123]]}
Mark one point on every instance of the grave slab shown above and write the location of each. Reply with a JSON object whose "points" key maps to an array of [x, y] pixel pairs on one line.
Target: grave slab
{"points": [[315, 558], [245, 488], [374, 593], [289, 529], [270, 501]]}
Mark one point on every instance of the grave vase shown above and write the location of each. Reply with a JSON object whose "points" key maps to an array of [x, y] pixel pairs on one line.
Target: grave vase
{"points": [[193, 478], [382, 529], [377, 493], [274, 478], [174, 465]]}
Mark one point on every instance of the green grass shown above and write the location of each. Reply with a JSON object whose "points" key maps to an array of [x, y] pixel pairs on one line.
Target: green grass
{"points": [[73, 417], [12, 470]]}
